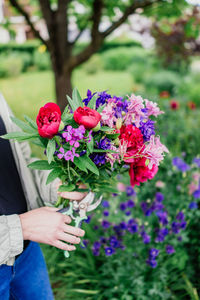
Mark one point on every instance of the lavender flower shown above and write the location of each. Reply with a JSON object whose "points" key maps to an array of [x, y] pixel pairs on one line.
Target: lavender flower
{"points": [[130, 191], [159, 197], [130, 203], [106, 213], [123, 206], [105, 224], [147, 129], [197, 161], [180, 164], [170, 249], [153, 253], [193, 205], [152, 263], [89, 97], [105, 204], [109, 251]]}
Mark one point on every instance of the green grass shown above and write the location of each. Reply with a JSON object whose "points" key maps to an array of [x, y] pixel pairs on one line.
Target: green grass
{"points": [[26, 93]]}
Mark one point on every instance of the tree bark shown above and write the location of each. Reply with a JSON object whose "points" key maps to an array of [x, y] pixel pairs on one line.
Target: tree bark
{"points": [[63, 86]]}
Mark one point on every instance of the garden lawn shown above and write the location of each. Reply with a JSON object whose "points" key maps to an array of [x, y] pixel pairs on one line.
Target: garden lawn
{"points": [[26, 93]]}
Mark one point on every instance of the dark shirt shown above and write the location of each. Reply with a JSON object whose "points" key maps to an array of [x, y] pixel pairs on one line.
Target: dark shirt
{"points": [[12, 199]]}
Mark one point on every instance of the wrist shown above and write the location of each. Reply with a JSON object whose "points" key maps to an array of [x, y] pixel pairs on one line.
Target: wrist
{"points": [[24, 224]]}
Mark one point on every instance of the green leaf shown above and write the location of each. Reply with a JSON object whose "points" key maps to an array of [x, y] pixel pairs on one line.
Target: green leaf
{"points": [[66, 115], [92, 103], [103, 151], [42, 165], [23, 125], [20, 136], [66, 188], [80, 164], [100, 109], [39, 143], [106, 128], [77, 97], [31, 122], [112, 136], [90, 145], [51, 148], [71, 103], [90, 165], [55, 173]]}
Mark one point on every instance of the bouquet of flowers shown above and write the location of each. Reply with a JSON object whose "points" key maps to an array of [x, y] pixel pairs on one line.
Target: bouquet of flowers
{"points": [[93, 140]]}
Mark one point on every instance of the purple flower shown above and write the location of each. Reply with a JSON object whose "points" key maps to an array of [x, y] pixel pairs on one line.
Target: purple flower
{"points": [[89, 97], [104, 144], [152, 263], [105, 224], [170, 249], [130, 191], [109, 251], [183, 225], [128, 213], [88, 219], [180, 216], [153, 253], [147, 129], [197, 161], [96, 227], [106, 213], [162, 216], [102, 97], [148, 212], [180, 164], [105, 204], [103, 240], [159, 197], [130, 203], [133, 228], [114, 242], [85, 243], [175, 227], [196, 194], [98, 158], [193, 205], [162, 234], [146, 238], [97, 245], [95, 252], [123, 206], [123, 225]]}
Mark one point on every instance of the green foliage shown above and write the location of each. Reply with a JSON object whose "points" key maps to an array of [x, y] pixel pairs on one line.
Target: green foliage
{"points": [[118, 59], [41, 60], [11, 65], [163, 80], [93, 65]]}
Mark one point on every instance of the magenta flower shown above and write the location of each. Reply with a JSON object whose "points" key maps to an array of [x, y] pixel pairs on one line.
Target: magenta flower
{"points": [[135, 112], [153, 108]]}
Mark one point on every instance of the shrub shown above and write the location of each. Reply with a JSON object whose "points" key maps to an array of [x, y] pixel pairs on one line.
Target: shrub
{"points": [[11, 65], [42, 60], [117, 59], [163, 81], [93, 65]]}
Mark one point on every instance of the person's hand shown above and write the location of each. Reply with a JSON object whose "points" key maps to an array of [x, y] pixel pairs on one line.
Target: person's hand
{"points": [[46, 225], [74, 195]]}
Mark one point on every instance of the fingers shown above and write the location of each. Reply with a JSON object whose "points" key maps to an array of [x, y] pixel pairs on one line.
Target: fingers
{"points": [[63, 246], [72, 195], [68, 238], [73, 230]]}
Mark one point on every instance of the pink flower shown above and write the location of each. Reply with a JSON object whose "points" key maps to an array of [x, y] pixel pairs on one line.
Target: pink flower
{"points": [[121, 187], [153, 108], [160, 184], [108, 115], [112, 157], [154, 151], [134, 113]]}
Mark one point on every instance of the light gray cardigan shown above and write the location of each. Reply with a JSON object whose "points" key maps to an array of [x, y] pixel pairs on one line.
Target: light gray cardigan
{"points": [[34, 187]]}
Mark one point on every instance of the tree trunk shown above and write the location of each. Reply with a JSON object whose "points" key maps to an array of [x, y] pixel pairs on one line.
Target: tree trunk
{"points": [[63, 86]]}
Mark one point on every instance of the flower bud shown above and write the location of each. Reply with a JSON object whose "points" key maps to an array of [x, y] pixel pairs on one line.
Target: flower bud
{"points": [[119, 123], [97, 128], [62, 126]]}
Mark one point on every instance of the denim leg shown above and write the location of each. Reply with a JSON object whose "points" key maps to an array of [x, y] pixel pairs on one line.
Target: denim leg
{"points": [[5, 279], [31, 280]]}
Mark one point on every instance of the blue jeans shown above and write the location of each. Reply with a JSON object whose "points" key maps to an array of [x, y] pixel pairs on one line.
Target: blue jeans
{"points": [[27, 278]]}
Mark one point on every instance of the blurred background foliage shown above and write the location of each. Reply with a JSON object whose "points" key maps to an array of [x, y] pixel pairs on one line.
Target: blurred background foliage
{"points": [[168, 73]]}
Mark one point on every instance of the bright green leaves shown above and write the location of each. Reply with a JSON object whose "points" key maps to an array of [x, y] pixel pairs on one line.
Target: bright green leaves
{"points": [[51, 148], [76, 100], [42, 165]]}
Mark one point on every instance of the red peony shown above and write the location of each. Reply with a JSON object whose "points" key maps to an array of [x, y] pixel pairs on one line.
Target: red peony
{"points": [[174, 104], [139, 172], [48, 120], [87, 117], [191, 105], [133, 136]]}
